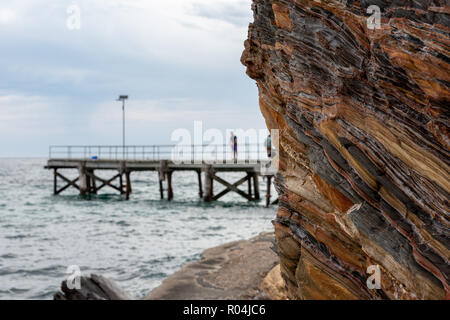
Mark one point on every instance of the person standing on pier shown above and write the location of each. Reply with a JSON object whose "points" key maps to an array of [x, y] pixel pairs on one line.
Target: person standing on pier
{"points": [[232, 143], [235, 152], [269, 146]]}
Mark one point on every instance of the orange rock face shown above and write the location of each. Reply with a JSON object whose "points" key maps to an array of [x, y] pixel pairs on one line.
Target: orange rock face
{"points": [[363, 114]]}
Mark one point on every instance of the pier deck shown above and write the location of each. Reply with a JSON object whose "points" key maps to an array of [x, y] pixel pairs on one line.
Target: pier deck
{"points": [[125, 163]]}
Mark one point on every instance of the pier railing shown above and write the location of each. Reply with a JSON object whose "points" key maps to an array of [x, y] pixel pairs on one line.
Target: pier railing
{"points": [[177, 153]]}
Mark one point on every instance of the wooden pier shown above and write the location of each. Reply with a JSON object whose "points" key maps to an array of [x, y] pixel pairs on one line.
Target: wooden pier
{"points": [[88, 182]]}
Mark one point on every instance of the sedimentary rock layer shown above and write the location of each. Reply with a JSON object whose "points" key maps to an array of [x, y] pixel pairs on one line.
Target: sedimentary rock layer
{"points": [[363, 114]]}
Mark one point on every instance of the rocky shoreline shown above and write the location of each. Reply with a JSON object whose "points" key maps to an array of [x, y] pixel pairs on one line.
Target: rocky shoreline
{"points": [[236, 270], [239, 270]]}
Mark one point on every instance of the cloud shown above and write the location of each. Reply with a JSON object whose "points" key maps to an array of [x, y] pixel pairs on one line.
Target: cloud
{"points": [[236, 12], [29, 124], [171, 114], [140, 28], [177, 59], [19, 114], [121, 40], [53, 74]]}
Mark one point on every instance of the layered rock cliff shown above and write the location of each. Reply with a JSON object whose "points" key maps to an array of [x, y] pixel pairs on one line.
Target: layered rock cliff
{"points": [[363, 114]]}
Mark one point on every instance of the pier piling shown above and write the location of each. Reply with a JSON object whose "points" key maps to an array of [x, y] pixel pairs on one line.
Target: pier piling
{"points": [[128, 185], [209, 183], [256, 186], [200, 188], [169, 186], [55, 181], [161, 185], [122, 168], [121, 186], [93, 188], [83, 177], [269, 184], [249, 181], [88, 182]]}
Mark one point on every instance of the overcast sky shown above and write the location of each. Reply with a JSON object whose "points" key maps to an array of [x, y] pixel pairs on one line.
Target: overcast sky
{"points": [[178, 60]]}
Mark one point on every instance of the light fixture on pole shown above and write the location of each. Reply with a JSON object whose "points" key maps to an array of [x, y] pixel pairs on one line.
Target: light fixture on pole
{"points": [[123, 98]]}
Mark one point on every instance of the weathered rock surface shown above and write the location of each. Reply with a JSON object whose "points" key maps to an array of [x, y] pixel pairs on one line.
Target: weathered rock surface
{"points": [[234, 271], [363, 115], [274, 285], [239, 270]]}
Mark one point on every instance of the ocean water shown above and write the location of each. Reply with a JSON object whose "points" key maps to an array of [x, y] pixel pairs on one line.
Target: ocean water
{"points": [[137, 243]]}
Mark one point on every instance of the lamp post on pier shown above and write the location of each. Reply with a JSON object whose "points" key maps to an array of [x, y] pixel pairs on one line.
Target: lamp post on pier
{"points": [[123, 98]]}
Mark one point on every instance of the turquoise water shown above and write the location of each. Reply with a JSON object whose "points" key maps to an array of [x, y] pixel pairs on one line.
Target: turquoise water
{"points": [[137, 243]]}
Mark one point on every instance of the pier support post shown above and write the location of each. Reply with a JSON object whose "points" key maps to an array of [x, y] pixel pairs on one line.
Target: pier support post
{"points": [[83, 178], [256, 186], [122, 169], [161, 186], [93, 188], [88, 182], [209, 183], [169, 186], [162, 172], [121, 183], [55, 181], [200, 188], [249, 181], [128, 185], [269, 183]]}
